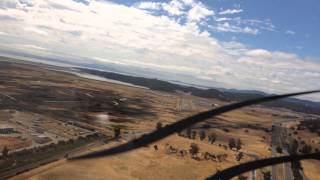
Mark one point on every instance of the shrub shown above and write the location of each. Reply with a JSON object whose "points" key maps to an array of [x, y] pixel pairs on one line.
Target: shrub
{"points": [[239, 156], [266, 175], [159, 125], [279, 149], [202, 135], [117, 132], [188, 132], [194, 150], [212, 138], [193, 134], [241, 177], [232, 143], [238, 144]]}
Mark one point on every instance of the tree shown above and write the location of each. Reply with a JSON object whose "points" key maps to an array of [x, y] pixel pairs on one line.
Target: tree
{"points": [[232, 143], [239, 156], [194, 150], [238, 144], [279, 149], [293, 146], [5, 152], [155, 147], [241, 177], [117, 132], [159, 125], [266, 175], [296, 168], [212, 138], [202, 135], [194, 134], [188, 132], [306, 149]]}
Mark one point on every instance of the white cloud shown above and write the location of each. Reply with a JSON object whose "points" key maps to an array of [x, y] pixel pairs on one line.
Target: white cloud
{"points": [[35, 30], [24, 46], [174, 7], [33, 46], [3, 33], [227, 27], [230, 11], [240, 25], [133, 37], [149, 5], [223, 19], [199, 12], [290, 32]]}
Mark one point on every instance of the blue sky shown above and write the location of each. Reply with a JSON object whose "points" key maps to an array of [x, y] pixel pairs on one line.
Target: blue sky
{"points": [[296, 24], [269, 45]]}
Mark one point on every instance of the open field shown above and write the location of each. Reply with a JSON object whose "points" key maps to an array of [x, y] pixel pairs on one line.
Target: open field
{"points": [[45, 104]]}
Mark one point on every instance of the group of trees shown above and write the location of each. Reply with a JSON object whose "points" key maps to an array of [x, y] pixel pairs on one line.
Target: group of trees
{"points": [[233, 143], [306, 149], [212, 137], [293, 147], [312, 125]]}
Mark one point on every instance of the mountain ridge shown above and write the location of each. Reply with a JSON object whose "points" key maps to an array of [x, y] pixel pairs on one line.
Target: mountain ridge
{"points": [[223, 94]]}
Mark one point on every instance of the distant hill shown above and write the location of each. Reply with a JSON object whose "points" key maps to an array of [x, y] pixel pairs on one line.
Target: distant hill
{"points": [[221, 94]]}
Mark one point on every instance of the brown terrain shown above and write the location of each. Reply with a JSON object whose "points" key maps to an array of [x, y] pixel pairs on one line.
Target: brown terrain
{"points": [[42, 106]]}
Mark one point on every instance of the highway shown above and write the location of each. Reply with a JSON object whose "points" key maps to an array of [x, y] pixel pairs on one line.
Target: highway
{"points": [[253, 173], [185, 103], [278, 140], [30, 166]]}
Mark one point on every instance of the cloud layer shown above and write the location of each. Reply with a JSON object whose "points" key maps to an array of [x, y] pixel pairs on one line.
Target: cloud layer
{"points": [[136, 36]]}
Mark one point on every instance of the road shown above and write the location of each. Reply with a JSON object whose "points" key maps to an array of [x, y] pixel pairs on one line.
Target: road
{"points": [[37, 164], [278, 140], [274, 142], [185, 103], [28, 167], [253, 173], [8, 96]]}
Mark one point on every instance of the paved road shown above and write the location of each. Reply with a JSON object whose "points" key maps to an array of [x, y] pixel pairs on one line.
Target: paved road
{"points": [[274, 143], [253, 173], [37, 164], [28, 167], [185, 103], [278, 140]]}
